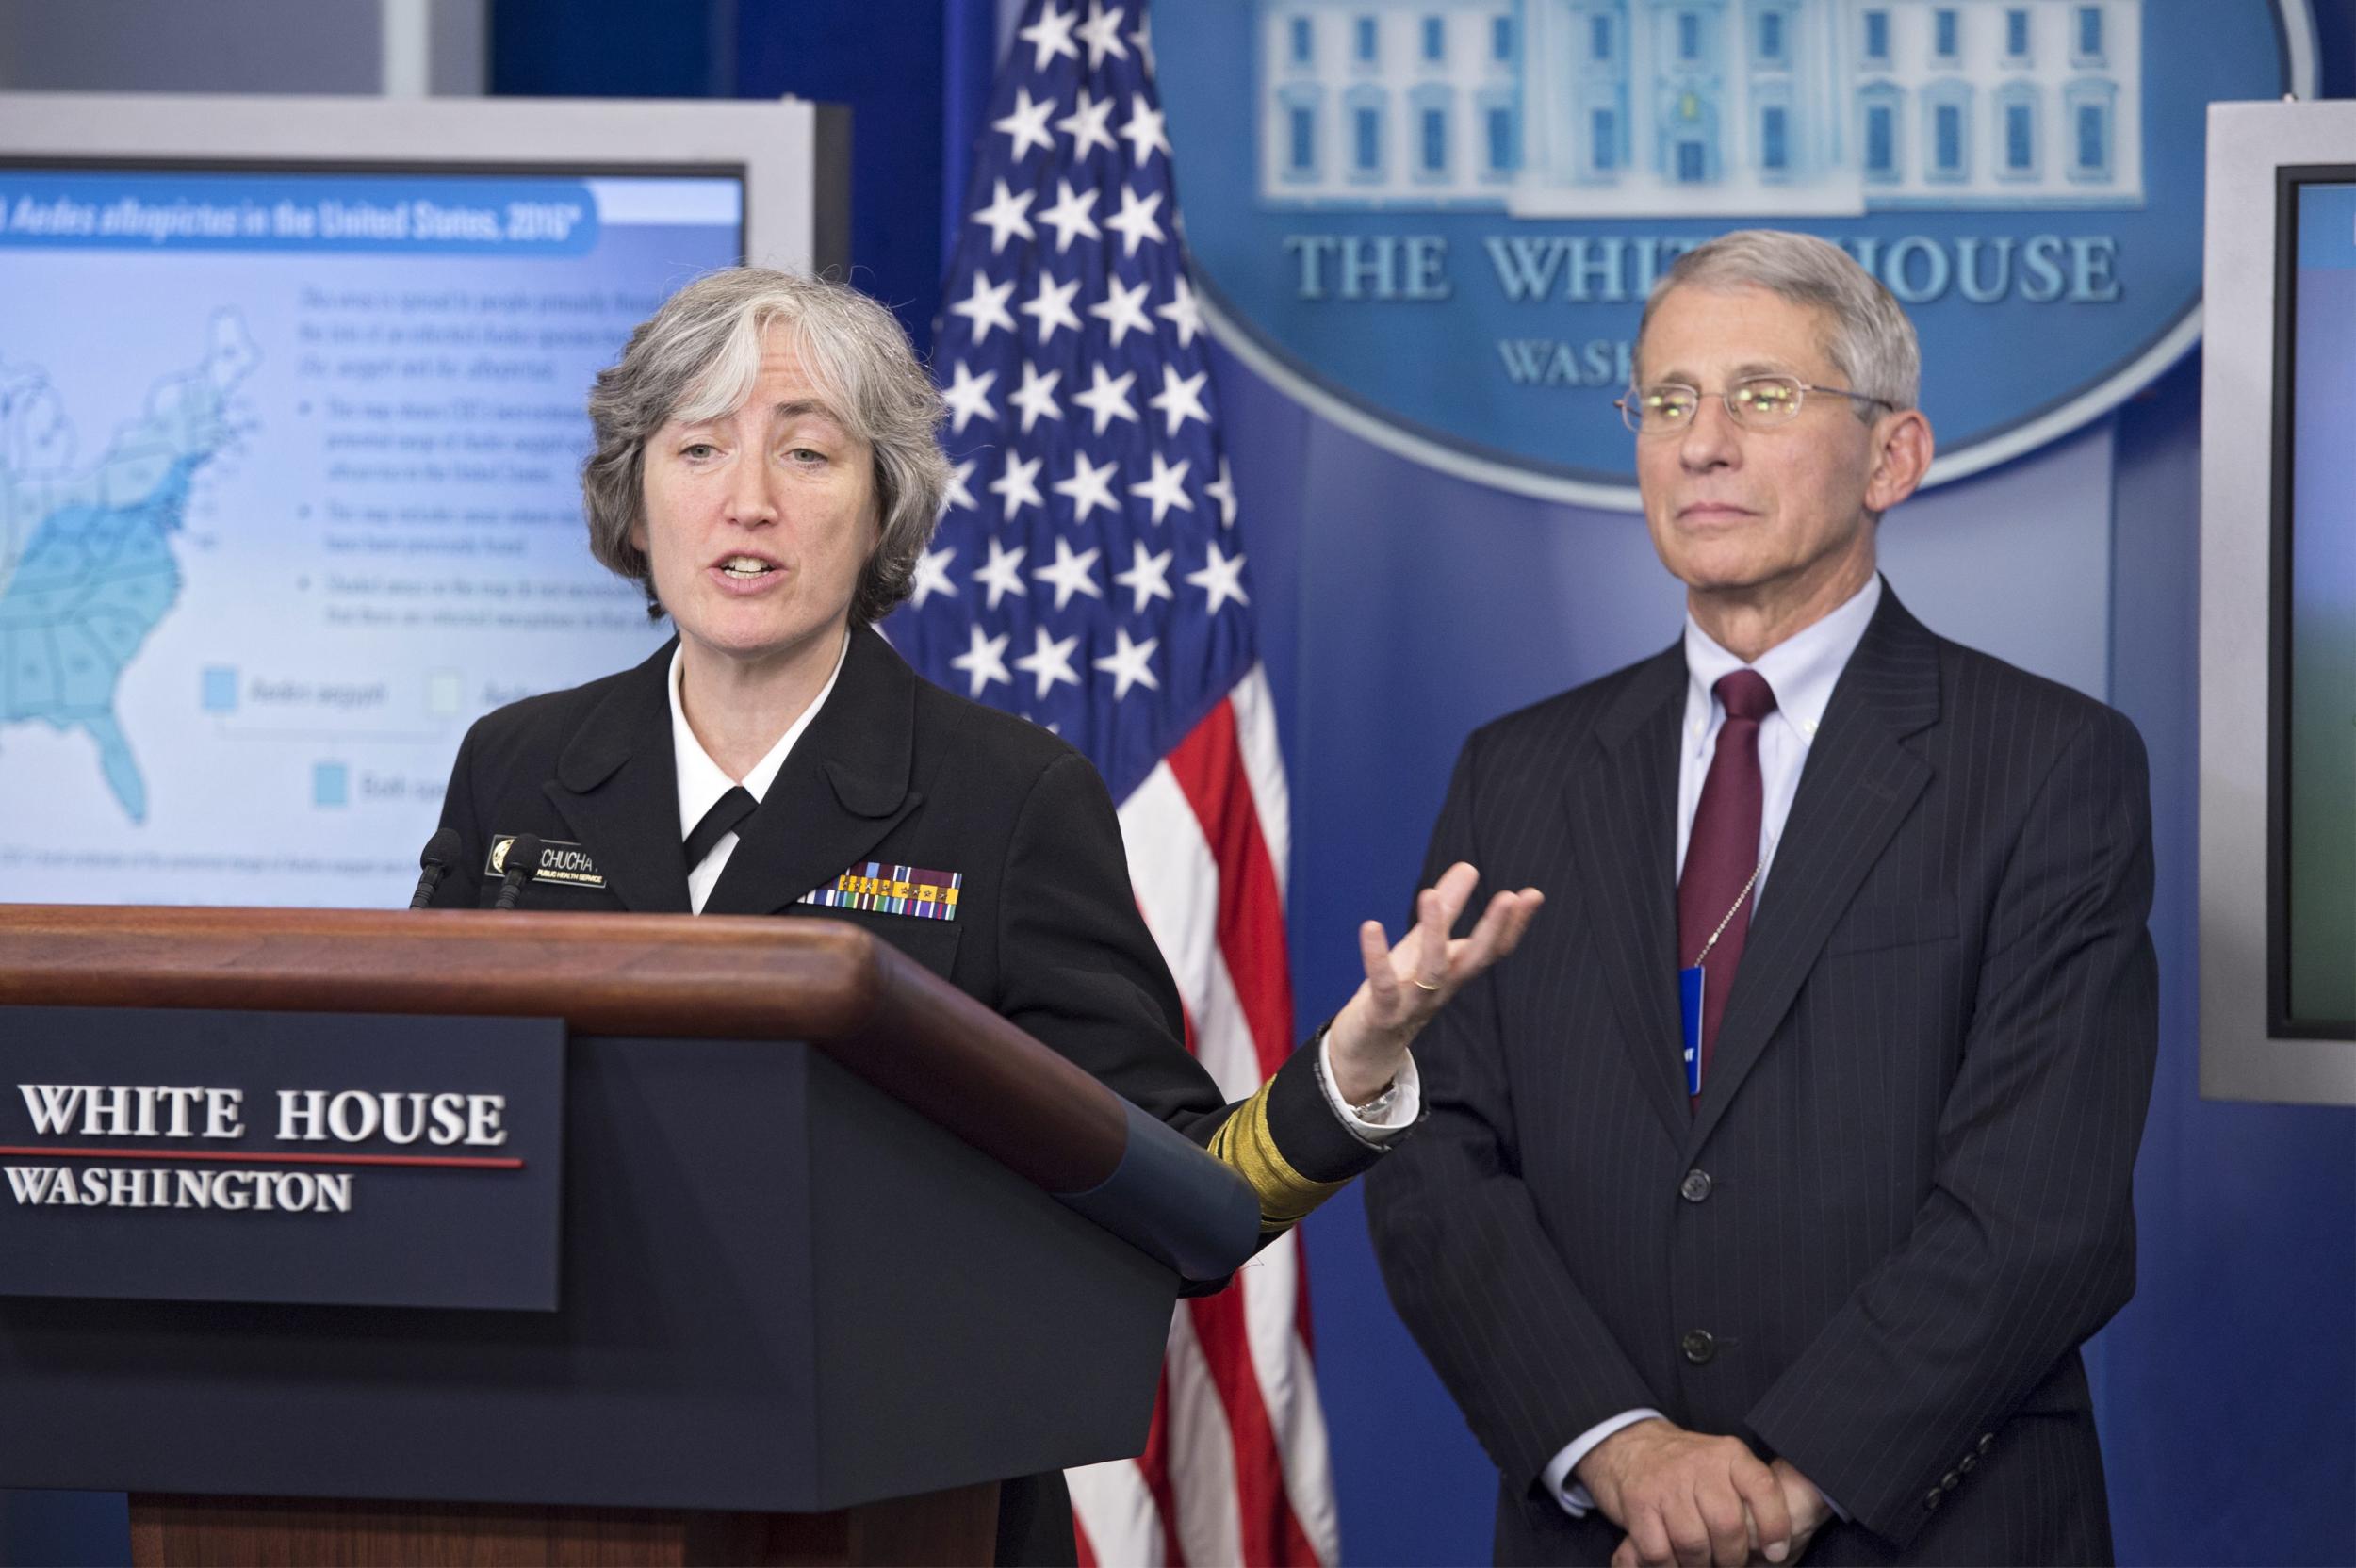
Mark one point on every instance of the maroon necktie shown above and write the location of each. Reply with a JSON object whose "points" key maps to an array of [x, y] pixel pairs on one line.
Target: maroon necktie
{"points": [[1722, 853]]}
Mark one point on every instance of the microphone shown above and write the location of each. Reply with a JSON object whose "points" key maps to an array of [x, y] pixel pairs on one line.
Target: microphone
{"points": [[523, 862], [441, 851]]}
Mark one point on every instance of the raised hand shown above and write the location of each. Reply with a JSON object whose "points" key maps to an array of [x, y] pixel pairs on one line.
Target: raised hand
{"points": [[1405, 985]]}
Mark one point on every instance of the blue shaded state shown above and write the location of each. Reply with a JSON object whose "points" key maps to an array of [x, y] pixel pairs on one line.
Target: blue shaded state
{"points": [[90, 586]]}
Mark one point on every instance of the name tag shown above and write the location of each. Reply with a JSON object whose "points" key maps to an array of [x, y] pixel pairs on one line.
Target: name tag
{"points": [[565, 864], [1692, 985]]}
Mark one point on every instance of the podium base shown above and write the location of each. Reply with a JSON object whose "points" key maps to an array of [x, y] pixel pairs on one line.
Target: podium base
{"points": [[180, 1532]]}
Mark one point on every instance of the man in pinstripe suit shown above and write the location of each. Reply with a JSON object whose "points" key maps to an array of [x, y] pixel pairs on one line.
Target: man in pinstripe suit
{"points": [[1794, 1255]]}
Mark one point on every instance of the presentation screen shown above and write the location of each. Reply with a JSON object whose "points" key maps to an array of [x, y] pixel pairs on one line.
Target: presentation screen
{"points": [[2313, 947], [289, 495]]}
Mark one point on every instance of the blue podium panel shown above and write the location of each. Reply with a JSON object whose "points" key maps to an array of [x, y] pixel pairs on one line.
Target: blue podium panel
{"points": [[185, 1154], [780, 1291]]}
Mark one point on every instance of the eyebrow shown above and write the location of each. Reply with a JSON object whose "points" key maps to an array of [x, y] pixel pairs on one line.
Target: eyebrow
{"points": [[1740, 372]]}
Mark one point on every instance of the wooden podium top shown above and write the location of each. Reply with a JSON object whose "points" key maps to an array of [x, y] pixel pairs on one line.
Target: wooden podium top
{"points": [[867, 1005]]}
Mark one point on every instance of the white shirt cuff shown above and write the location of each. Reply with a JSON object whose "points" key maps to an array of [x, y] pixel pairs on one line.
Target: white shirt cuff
{"points": [[1576, 1500], [1400, 1113]]}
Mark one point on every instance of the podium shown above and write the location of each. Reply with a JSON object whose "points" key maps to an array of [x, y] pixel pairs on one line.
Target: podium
{"points": [[838, 1249]]}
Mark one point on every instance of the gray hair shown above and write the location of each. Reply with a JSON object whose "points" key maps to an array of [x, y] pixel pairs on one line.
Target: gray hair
{"points": [[697, 358], [1871, 343]]}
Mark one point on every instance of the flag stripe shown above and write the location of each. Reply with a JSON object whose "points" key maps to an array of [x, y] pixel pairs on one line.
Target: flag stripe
{"points": [[1261, 1506], [1264, 765], [1208, 767]]}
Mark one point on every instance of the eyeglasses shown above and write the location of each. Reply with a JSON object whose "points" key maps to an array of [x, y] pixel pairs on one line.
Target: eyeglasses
{"points": [[1755, 403]]}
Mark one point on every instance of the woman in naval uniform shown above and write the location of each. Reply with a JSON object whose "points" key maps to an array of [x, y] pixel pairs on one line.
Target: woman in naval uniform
{"points": [[766, 468]]}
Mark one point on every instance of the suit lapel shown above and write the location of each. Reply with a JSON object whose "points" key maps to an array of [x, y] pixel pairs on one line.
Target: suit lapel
{"points": [[618, 785], [843, 786], [1624, 823], [1856, 787]]}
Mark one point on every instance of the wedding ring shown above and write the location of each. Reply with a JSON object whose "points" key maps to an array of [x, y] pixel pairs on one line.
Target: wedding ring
{"points": [[1424, 984]]}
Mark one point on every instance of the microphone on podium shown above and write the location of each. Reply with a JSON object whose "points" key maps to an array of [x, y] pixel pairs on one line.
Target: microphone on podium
{"points": [[441, 853], [522, 864]]}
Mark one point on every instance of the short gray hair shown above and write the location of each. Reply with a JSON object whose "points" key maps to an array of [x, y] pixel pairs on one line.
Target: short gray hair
{"points": [[1871, 343], [697, 358]]}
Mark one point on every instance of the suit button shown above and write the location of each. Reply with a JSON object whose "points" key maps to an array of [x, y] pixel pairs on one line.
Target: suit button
{"points": [[1695, 1187], [1930, 1503], [1949, 1482], [1987, 1441], [1698, 1346], [1971, 1463]]}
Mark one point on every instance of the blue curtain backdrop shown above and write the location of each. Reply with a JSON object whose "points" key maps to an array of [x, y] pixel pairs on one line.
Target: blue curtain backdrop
{"points": [[1400, 609]]}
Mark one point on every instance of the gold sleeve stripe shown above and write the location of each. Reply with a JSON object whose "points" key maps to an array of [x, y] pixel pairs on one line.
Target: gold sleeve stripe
{"points": [[1245, 1142]]}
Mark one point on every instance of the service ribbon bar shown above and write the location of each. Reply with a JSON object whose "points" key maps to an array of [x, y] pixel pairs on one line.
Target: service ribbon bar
{"points": [[880, 889]]}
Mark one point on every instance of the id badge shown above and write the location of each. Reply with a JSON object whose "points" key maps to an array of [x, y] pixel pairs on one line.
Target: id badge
{"points": [[1690, 988]]}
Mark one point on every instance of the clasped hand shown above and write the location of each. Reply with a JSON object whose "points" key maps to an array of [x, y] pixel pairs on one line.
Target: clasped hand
{"points": [[1407, 984], [1692, 1500]]}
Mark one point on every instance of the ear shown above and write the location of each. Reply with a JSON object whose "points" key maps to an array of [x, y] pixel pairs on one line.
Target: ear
{"points": [[1903, 445]]}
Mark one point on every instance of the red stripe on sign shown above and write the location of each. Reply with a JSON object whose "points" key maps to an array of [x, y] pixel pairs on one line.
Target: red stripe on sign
{"points": [[443, 1162], [1208, 766]]}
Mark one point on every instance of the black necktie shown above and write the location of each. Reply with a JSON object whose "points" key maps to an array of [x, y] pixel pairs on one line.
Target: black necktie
{"points": [[721, 821]]}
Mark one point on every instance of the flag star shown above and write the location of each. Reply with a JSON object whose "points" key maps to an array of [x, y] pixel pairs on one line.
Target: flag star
{"points": [[1086, 125], [1122, 310], [1127, 663], [1089, 487], [1143, 38], [1019, 485], [1072, 574], [1050, 36], [986, 307], [1148, 578], [1222, 490], [1166, 489], [1049, 661], [1036, 397], [1135, 221], [1222, 578], [967, 396], [1003, 572], [1026, 126], [1143, 132], [958, 495], [1180, 398], [1004, 215], [1069, 215], [1107, 397], [1184, 313], [1101, 32], [983, 660], [932, 576], [1051, 307]]}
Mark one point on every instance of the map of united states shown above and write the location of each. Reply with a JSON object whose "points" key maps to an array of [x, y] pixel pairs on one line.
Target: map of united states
{"points": [[87, 564]]}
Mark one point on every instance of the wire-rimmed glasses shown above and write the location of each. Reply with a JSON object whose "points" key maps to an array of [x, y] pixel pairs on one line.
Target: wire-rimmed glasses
{"points": [[1755, 403]]}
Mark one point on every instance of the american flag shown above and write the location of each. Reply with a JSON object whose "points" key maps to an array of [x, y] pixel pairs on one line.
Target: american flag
{"points": [[1088, 575]]}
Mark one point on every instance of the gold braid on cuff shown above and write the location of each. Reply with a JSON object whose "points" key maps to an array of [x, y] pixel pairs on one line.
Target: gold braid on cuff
{"points": [[1246, 1142]]}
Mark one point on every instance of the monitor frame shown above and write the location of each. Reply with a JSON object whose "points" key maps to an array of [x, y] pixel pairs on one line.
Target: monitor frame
{"points": [[792, 155], [2259, 155]]}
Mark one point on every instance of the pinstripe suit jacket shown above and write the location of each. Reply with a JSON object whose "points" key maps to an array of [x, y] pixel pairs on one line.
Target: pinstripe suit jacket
{"points": [[1915, 1148]]}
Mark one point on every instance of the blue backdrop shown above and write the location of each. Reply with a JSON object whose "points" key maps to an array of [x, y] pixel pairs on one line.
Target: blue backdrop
{"points": [[1401, 608]]}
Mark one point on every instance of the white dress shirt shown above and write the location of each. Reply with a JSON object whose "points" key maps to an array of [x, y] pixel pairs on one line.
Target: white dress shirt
{"points": [[703, 781], [1802, 671]]}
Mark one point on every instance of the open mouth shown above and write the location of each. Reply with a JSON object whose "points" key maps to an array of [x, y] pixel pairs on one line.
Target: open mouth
{"points": [[745, 568]]}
